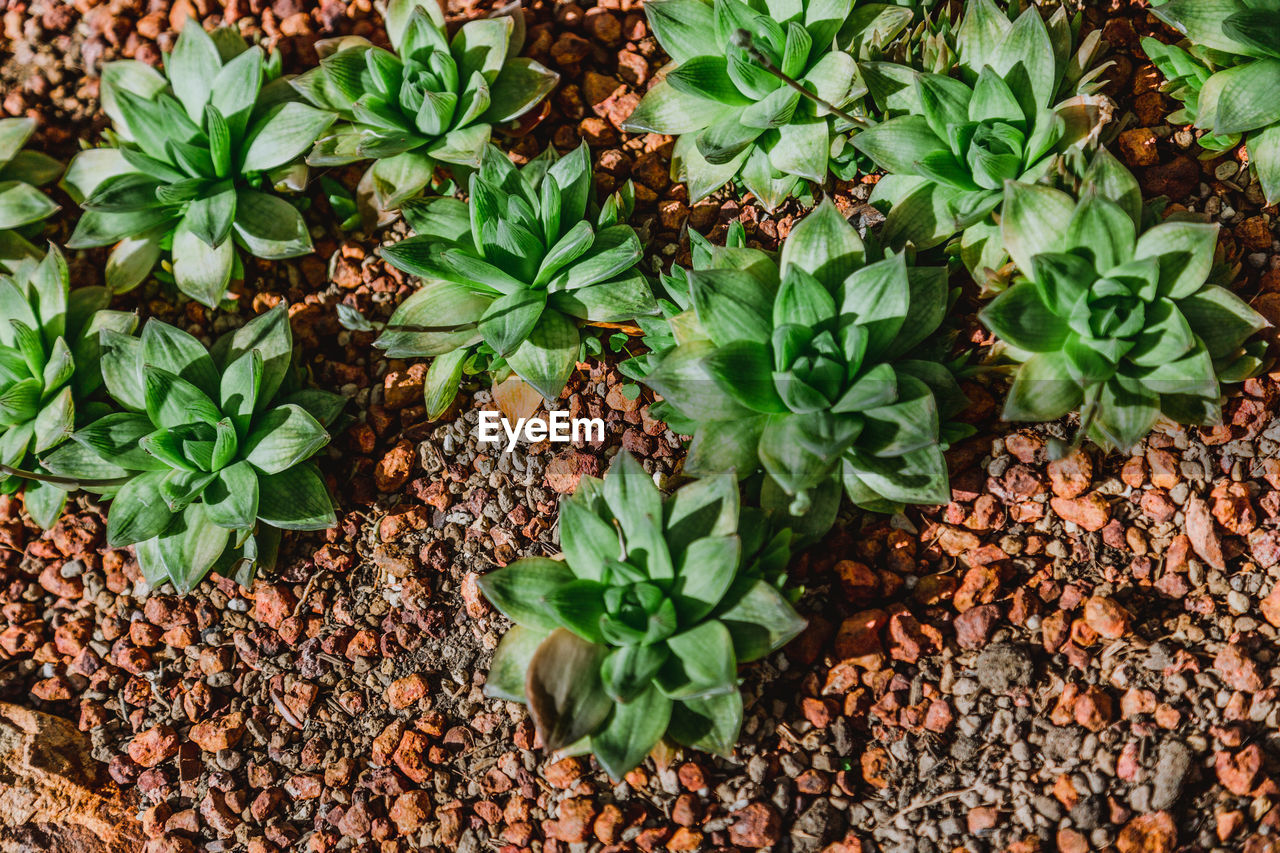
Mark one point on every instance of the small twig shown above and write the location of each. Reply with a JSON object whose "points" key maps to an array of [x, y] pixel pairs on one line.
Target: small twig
{"points": [[785, 730], [480, 747], [155, 679], [743, 39], [306, 591], [923, 804], [54, 479], [284, 711]]}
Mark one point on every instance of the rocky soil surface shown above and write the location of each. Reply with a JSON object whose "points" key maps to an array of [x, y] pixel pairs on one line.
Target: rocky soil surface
{"points": [[1077, 654]]}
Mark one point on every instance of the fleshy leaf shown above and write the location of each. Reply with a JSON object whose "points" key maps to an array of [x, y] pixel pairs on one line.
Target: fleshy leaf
{"points": [[565, 694]]}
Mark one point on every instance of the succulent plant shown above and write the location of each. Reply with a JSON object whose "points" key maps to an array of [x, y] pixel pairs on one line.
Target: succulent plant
{"points": [[1017, 98], [48, 371], [1126, 328], [210, 452], [1226, 77], [659, 331], [434, 100], [188, 161], [815, 369], [637, 633], [22, 205], [737, 119], [508, 276], [928, 44]]}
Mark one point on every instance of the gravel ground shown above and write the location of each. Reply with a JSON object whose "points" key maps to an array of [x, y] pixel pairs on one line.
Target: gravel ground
{"points": [[1074, 655]]}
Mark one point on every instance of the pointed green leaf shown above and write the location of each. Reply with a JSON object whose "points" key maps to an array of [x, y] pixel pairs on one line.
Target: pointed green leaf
{"points": [[1043, 390], [759, 619], [270, 227], [710, 724], [295, 499], [1033, 221], [201, 272], [510, 664], [283, 437], [631, 732], [231, 499], [172, 401], [191, 545], [138, 511], [1222, 320], [547, 357], [192, 68], [702, 663]]}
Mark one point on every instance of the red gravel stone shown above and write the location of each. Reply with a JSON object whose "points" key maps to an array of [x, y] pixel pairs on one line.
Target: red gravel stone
{"points": [[686, 811], [756, 825], [153, 746], [1093, 709], [1106, 617], [393, 469], [1070, 477], [939, 716], [1237, 669], [410, 756], [220, 733], [272, 603], [1238, 772], [974, 626], [1148, 833], [608, 824], [1091, 512], [411, 811], [406, 691], [1204, 539], [574, 822], [691, 776], [303, 786]]}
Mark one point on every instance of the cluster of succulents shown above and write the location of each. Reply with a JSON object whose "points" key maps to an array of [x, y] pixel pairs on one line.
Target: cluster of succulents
{"points": [[1016, 99], [1225, 75], [734, 96], [813, 368], [635, 634], [432, 101], [49, 373], [1118, 322], [824, 371], [193, 156], [509, 277], [206, 453], [203, 453]]}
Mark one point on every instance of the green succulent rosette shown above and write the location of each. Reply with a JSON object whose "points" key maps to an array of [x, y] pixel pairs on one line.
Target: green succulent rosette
{"points": [[1017, 98], [510, 276], [1118, 323], [210, 452], [1227, 77], [825, 368], [48, 372], [431, 100], [23, 207], [736, 120], [635, 635], [661, 330], [190, 160]]}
